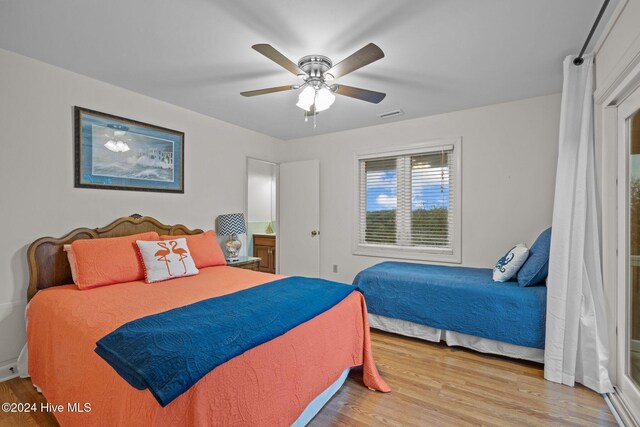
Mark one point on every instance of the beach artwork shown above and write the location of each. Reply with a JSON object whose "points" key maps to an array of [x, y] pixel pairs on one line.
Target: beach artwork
{"points": [[124, 154], [117, 153]]}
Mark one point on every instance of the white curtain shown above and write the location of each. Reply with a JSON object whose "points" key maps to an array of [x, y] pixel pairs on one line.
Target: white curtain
{"points": [[576, 339]]}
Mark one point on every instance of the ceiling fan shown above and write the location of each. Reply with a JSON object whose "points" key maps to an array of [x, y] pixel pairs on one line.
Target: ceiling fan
{"points": [[318, 71]]}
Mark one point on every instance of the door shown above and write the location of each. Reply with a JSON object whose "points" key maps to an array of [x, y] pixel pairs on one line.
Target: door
{"points": [[628, 293], [272, 260], [264, 253], [299, 214]]}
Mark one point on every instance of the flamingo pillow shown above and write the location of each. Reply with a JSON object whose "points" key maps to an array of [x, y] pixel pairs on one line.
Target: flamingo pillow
{"points": [[166, 259]]}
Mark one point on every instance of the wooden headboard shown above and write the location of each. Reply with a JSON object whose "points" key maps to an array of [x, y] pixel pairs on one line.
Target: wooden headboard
{"points": [[48, 265]]}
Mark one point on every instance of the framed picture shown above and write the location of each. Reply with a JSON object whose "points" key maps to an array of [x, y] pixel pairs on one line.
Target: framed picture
{"points": [[120, 154]]}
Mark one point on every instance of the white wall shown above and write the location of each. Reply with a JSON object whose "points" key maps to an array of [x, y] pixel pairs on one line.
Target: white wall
{"points": [[36, 173], [509, 157], [261, 191]]}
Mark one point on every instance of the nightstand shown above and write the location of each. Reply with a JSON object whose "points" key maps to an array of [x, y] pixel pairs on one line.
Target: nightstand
{"points": [[264, 247], [246, 262]]}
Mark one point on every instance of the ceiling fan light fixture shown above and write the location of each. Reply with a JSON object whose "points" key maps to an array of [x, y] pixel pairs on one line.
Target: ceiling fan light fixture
{"points": [[306, 98], [324, 99], [317, 71]]}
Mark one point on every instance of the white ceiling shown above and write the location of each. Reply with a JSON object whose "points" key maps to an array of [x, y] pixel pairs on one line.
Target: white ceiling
{"points": [[441, 55]]}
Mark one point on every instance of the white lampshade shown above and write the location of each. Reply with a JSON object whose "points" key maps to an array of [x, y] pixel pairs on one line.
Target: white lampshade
{"points": [[324, 99], [306, 98]]}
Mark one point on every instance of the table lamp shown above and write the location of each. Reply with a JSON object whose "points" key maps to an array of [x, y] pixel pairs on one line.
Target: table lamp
{"points": [[231, 225]]}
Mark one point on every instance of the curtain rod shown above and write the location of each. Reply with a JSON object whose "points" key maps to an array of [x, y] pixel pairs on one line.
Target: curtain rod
{"points": [[579, 60]]}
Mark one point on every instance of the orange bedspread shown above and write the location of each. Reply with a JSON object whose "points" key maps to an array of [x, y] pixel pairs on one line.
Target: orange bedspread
{"points": [[268, 385]]}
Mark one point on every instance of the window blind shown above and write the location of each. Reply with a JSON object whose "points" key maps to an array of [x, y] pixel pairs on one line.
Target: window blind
{"points": [[408, 200]]}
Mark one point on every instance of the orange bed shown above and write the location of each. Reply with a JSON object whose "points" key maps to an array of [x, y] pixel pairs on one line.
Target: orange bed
{"points": [[268, 385]]}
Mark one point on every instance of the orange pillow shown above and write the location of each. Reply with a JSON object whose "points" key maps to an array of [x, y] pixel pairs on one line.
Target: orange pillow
{"points": [[101, 262], [204, 248]]}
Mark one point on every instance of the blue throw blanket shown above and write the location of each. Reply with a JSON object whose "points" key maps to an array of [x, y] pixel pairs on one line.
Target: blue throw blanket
{"points": [[169, 352], [460, 299]]}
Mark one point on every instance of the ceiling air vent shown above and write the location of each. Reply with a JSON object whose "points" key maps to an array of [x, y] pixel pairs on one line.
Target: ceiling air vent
{"points": [[389, 114]]}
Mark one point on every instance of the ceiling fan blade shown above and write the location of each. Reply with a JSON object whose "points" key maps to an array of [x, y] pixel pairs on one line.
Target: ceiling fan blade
{"points": [[365, 56], [271, 53], [362, 94], [266, 91]]}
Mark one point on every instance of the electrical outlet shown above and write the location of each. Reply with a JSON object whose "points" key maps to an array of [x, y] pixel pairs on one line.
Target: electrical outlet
{"points": [[8, 371], [335, 268]]}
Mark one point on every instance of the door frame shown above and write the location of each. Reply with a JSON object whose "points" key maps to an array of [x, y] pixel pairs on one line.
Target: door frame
{"points": [[626, 388], [277, 201], [612, 166]]}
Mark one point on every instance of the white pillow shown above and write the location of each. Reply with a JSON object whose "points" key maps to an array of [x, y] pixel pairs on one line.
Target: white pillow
{"points": [[71, 257], [508, 266], [166, 259]]}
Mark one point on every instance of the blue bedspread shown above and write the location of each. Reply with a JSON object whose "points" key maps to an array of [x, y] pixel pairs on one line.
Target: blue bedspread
{"points": [[459, 299], [169, 352]]}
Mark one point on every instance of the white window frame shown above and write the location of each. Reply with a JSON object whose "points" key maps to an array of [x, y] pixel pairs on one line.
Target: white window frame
{"points": [[413, 253]]}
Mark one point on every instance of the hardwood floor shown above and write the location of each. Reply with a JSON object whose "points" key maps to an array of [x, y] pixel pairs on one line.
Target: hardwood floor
{"points": [[432, 384], [20, 390]]}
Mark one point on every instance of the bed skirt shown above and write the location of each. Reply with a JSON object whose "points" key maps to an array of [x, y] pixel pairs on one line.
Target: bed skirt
{"points": [[428, 333], [318, 403]]}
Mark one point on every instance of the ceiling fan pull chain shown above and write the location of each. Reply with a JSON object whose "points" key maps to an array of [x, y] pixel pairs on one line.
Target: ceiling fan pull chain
{"points": [[315, 112]]}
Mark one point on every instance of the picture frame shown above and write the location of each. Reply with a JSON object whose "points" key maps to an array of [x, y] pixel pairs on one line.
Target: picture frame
{"points": [[117, 153]]}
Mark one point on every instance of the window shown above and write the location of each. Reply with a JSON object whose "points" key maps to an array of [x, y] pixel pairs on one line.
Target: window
{"points": [[408, 203]]}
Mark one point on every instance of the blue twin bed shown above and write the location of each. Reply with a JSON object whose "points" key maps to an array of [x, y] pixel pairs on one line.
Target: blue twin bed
{"points": [[489, 316]]}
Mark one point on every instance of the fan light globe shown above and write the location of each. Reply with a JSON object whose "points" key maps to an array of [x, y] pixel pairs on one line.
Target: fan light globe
{"points": [[306, 98], [324, 99]]}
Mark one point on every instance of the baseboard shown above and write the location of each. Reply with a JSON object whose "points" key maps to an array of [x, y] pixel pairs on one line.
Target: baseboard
{"points": [[13, 304], [620, 410], [6, 372], [12, 334]]}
